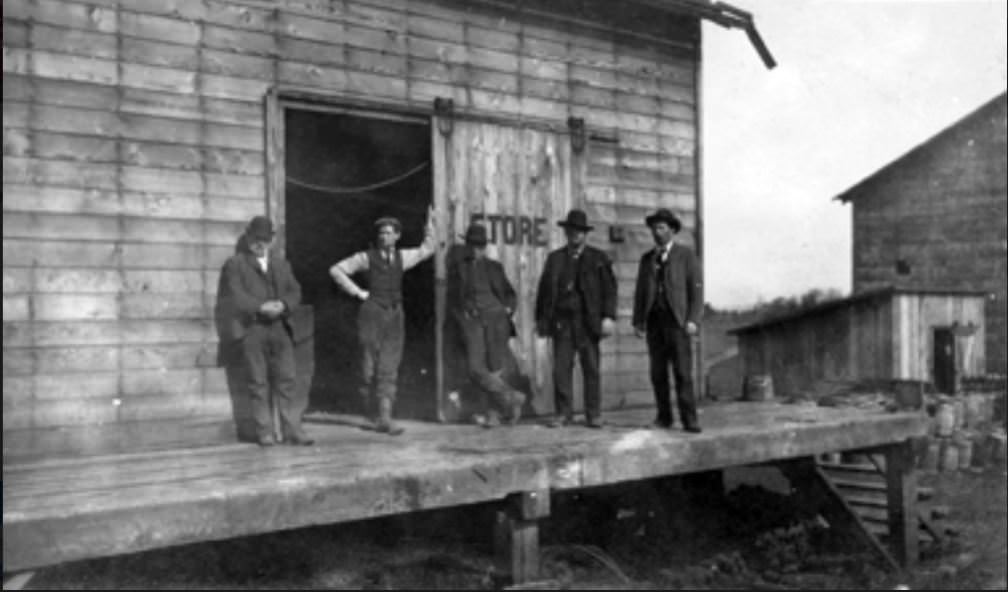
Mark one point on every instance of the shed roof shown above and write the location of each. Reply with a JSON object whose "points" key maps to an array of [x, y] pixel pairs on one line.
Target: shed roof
{"points": [[980, 112], [862, 297]]}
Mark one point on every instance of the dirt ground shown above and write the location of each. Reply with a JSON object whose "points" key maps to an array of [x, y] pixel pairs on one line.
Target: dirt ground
{"points": [[654, 535]]}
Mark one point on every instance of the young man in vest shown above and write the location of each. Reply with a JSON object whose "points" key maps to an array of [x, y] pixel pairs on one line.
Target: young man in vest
{"points": [[667, 306], [380, 326], [576, 306], [480, 302], [260, 291]]}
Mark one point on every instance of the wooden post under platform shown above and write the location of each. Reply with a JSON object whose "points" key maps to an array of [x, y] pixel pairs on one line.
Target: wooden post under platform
{"points": [[901, 498], [516, 535]]}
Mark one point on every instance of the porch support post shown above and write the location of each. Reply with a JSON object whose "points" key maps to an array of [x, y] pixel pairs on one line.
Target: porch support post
{"points": [[901, 498], [516, 535]]}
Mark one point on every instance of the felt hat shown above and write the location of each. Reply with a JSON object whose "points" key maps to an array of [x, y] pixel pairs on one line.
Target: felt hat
{"points": [[664, 215], [476, 235], [388, 221], [576, 219], [260, 228]]}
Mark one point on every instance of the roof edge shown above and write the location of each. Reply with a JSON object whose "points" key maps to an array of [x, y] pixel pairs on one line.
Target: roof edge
{"points": [[848, 194], [868, 295]]}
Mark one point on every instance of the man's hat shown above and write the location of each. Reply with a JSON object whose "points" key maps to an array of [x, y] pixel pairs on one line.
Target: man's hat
{"points": [[576, 219], [476, 235], [260, 228], [664, 215], [388, 221]]}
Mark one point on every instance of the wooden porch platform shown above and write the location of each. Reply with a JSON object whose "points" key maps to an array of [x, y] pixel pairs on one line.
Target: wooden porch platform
{"points": [[69, 509]]}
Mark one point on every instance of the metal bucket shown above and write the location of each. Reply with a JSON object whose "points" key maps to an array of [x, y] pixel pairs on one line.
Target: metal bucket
{"points": [[758, 388]]}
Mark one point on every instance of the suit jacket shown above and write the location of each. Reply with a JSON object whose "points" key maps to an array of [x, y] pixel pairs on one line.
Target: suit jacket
{"points": [[683, 284], [244, 288], [597, 282], [459, 279]]}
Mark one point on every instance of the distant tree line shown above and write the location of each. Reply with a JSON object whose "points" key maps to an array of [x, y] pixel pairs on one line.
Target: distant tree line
{"points": [[776, 307]]}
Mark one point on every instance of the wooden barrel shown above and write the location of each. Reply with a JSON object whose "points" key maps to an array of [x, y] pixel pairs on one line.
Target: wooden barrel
{"points": [[758, 388]]}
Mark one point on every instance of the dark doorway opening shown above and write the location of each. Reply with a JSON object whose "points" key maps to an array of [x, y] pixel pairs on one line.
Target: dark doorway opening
{"points": [[338, 168]]}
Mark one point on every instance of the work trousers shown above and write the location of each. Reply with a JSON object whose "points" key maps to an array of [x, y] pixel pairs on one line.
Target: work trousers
{"points": [[670, 343], [572, 338], [485, 335], [268, 355], [381, 332]]}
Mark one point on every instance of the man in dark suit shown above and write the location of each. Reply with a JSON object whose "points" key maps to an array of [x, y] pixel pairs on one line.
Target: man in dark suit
{"points": [[480, 301], [667, 306], [576, 306], [261, 292]]}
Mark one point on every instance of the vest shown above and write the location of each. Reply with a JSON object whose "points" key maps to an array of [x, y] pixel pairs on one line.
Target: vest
{"points": [[661, 302], [384, 278]]}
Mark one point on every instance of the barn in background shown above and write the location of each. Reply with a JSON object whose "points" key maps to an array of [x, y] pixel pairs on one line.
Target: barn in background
{"points": [[937, 217], [139, 137]]}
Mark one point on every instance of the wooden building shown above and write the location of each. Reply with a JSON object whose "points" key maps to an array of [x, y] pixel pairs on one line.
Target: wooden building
{"points": [[873, 337], [938, 217], [139, 138]]}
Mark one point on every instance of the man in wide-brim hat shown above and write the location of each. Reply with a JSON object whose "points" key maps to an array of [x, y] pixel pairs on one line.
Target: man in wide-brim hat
{"points": [[576, 307], [380, 321], [668, 302], [480, 302]]}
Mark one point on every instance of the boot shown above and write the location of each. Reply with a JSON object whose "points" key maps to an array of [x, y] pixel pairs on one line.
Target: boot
{"points": [[516, 401], [385, 423]]}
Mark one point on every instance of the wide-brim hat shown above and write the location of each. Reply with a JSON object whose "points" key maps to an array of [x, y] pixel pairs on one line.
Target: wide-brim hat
{"points": [[260, 228], [664, 215], [476, 235], [388, 221], [576, 219]]}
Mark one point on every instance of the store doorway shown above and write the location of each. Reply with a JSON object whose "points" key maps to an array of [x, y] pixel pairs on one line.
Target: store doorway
{"points": [[344, 170]]}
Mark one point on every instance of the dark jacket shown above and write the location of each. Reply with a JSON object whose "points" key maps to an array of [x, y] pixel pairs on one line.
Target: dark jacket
{"points": [[683, 286], [459, 272], [246, 288], [597, 282]]}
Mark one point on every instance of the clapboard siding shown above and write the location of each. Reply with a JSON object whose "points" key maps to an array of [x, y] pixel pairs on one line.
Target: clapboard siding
{"points": [[134, 151]]}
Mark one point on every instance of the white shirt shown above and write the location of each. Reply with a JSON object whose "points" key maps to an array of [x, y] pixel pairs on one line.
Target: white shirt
{"points": [[662, 251], [263, 263], [359, 262]]}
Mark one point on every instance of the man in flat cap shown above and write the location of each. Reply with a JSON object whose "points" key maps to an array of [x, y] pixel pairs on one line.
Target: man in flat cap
{"points": [[576, 307], [260, 292], [668, 302], [380, 321], [480, 301]]}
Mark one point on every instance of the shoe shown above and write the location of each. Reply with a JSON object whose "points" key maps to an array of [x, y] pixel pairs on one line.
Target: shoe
{"points": [[266, 441], [301, 441], [492, 420], [558, 421], [661, 424], [594, 423], [517, 401], [695, 429], [385, 424]]}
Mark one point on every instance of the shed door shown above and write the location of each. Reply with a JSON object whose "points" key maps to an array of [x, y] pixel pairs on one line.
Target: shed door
{"points": [[518, 182]]}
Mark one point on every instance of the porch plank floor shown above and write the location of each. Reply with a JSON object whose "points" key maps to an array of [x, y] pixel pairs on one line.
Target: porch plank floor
{"points": [[59, 510]]}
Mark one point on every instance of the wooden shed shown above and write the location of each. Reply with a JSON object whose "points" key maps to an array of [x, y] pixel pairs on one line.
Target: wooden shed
{"points": [[139, 137], [882, 335], [938, 216]]}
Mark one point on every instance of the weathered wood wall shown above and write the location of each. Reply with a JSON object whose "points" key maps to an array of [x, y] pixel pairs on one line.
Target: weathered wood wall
{"points": [[134, 153], [915, 316], [875, 337], [943, 211]]}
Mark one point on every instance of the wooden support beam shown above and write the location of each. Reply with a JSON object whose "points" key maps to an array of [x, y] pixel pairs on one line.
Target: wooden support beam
{"points": [[516, 535], [901, 493]]}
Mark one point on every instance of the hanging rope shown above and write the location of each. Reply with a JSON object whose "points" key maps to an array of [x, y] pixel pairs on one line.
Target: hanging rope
{"points": [[353, 190]]}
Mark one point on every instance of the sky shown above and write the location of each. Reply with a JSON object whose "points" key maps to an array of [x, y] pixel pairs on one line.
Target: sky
{"points": [[858, 84]]}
